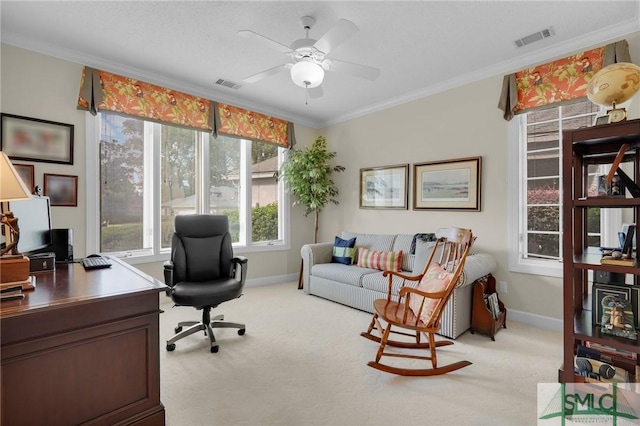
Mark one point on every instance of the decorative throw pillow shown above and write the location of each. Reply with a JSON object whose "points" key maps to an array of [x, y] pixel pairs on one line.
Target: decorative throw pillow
{"points": [[434, 280], [382, 260], [343, 251]]}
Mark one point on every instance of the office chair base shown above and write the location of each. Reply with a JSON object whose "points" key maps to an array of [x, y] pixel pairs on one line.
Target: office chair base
{"points": [[207, 327]]}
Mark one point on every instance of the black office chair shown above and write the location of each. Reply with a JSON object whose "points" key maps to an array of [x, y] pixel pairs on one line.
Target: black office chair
{"points": [[202, 273]]}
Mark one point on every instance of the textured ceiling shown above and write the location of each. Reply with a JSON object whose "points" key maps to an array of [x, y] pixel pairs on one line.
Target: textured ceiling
{"points": [[421, 47]]}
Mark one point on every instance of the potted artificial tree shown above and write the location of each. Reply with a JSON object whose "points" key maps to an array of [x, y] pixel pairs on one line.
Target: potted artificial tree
{"points": [[307, 174]]}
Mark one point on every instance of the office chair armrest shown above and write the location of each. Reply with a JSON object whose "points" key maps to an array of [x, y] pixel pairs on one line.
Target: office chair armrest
{"points": [[239, 259], [168, 273], [243, 262]]}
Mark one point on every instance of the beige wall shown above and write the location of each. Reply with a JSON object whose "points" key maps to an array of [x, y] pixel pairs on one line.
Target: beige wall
{"points": [[459, 123]]}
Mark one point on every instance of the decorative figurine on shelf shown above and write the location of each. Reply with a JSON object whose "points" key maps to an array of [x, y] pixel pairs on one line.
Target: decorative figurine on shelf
{"points": [[615, 190], [617, 317]]}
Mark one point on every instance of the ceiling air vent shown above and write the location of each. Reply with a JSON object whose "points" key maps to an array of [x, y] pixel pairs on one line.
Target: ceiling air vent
{"points": [[227, 83], [547, 32]]}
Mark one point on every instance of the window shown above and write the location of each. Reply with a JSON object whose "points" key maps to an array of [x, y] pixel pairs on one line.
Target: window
{"points": [[151, 172], [535, 187]]}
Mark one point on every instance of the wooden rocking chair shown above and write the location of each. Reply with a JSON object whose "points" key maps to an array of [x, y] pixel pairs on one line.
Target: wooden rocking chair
{"points": [[419, 305]]}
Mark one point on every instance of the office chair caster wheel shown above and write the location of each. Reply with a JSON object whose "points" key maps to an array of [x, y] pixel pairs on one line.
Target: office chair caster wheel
{"points": [[171, 347], [177, 329], [214, 349], [241, 332]]}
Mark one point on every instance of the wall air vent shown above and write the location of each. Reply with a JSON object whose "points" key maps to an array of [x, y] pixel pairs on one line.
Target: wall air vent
{"points": [[227, 83], [547, 32]]}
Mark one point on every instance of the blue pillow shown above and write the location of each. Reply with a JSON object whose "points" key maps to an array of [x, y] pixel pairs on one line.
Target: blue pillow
{"points": [[344, 251]]}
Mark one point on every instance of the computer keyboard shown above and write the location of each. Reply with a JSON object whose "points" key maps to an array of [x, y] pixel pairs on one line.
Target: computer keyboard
{"points": [[96, 263]]}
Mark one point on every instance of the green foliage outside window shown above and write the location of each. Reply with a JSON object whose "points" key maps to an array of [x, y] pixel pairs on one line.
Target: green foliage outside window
{"points": [[264, 223]]}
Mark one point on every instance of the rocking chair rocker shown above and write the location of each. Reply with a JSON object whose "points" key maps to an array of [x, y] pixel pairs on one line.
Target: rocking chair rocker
{"points": [[419, 306]]}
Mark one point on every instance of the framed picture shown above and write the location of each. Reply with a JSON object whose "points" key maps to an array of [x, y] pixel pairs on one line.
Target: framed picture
{"points": [[31, 139], [26, 172], [600, 291], [447, 185], [62, 190], [384, 187]]}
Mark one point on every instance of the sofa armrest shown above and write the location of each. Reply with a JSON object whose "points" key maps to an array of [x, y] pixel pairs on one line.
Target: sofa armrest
{"points": [[477, 266], [313, 254]]}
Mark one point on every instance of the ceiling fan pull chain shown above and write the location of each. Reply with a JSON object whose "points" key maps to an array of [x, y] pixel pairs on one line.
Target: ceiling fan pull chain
{"points": [[306, 95]]}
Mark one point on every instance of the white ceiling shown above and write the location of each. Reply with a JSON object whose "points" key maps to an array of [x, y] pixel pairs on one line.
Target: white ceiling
{"points": [[421, 47]]}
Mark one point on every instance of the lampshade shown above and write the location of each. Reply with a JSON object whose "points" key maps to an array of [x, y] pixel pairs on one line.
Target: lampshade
{"points": [[11, 185], [307, 74], [614, 84]]}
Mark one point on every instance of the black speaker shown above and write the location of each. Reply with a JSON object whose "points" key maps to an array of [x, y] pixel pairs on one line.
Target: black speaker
{"points": [[62, 240]]}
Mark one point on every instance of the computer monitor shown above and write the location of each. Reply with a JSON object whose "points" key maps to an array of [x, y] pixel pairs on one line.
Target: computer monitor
{"points": [[34, 221]]}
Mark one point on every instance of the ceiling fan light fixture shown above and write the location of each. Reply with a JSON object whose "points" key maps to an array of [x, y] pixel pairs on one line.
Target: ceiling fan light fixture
{"points": [[307, 74]]}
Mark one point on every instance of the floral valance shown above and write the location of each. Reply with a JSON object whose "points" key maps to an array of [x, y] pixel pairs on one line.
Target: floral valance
{"points": [[242, 123], [562, 80], [104, 91]]}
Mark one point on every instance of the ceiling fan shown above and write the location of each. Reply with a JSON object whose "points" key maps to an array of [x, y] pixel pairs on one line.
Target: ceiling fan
{"points": [[309, 58]]}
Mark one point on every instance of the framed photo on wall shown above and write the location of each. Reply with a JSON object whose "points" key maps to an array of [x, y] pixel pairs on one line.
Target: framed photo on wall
{"points": [[32, 139], [447, 185], [27, 174], [62, 190], [384, 187]]}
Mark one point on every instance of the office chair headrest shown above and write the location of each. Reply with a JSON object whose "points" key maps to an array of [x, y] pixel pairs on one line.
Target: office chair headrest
{"points": [[201, 225]]}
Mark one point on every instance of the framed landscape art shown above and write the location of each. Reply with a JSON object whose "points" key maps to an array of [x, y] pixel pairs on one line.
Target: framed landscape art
{"points": [[384, 187], [447, 185]]}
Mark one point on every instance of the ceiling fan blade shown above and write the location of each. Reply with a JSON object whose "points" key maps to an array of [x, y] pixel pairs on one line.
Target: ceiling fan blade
{"points": [[316, 92], [337, 34], [370, 73], [266, 73], [247, 34]]}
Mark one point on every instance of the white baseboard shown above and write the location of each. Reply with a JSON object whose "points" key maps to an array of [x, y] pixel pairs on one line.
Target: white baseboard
{"points": [[535, 320], [279, 279]]}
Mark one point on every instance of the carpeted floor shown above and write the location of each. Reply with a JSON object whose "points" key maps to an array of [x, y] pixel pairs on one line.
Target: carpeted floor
{"points": [[303, 362]]}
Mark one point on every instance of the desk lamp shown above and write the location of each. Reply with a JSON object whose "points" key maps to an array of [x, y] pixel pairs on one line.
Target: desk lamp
{"points": [[13, 266]]}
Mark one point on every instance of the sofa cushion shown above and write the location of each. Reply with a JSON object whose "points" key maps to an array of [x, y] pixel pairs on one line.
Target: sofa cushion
{"points": [[403, 242], [382, 260], [423, 251], [348, 274], [380, 283], [434, 280], [344, 251]]}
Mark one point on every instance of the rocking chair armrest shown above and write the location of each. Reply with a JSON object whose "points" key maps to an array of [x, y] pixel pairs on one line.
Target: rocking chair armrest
{"points": [[404, 277], [430, 295], [401, 275]]}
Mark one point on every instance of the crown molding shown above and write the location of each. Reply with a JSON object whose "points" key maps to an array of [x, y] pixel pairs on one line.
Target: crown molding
{"points": [[540, 56]]}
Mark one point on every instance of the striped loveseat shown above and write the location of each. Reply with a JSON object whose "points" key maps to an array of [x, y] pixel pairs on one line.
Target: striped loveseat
{"points": [[358, 287]]}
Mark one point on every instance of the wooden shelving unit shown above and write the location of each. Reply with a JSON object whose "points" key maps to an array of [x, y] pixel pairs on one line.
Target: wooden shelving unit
{"points": [[482, 319], [581, 148]]}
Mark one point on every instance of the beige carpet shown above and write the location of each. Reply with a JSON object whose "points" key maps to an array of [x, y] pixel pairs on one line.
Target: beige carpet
{"points": [[303, 362]]}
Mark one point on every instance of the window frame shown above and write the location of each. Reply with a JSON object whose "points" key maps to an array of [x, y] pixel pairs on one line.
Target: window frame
{"points": [[158, 254], [610, 219]]}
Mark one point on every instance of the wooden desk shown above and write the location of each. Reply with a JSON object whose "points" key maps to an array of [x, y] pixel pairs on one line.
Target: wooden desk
{"points": [[83, 347]]}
